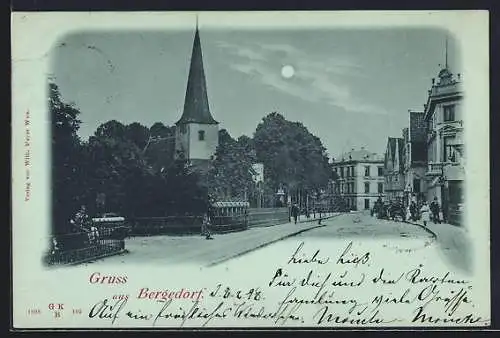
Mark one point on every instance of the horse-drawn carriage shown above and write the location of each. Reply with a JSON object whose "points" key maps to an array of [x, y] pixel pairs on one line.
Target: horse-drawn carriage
{"points": [[389, 210]]}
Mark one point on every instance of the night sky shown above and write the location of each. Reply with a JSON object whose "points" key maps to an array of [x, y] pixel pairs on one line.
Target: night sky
{"points": [[352, 88]]}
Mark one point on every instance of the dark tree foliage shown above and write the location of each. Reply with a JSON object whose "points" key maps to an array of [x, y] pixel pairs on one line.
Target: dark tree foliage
{"points": [[160, 146], [67, 172], [231, 173], [293, 158]]}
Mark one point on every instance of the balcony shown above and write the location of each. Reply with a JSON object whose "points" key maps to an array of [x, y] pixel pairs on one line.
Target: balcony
{"points": [[434, 168]]}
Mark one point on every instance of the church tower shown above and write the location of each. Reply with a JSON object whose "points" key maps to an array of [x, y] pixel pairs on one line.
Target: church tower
{"points": [[197, 132]]}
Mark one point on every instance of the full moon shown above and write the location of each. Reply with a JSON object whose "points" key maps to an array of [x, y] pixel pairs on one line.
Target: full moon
{"points": [[287, 71]]}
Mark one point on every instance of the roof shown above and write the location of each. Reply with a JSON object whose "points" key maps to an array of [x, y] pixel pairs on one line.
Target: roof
{"points": [[390, 154], [447, 89], [405, 134], [360, 156], [196, 108]]}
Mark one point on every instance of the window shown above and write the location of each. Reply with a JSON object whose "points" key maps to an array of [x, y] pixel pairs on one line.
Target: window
{"points": [[183, 128], [352, 171], [201, 135], [367, 203], [380, 187], [448, 151], [342, 172], [367, 170], [449, 113], [367, 187], [380, 171]]}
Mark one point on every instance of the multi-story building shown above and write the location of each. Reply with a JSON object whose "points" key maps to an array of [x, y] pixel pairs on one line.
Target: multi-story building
{"points": [[415, 157], [360, 178], [394, 168], [445, 158]]}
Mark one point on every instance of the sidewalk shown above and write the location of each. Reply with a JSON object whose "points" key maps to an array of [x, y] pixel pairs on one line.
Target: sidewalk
{"points": [[276, 233], [442, 229], [454, 242], [190, 249]]}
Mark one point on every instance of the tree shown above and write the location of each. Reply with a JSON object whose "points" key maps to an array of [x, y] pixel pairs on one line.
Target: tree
{"points": [[134, 177], [185, 192], [293, 157], [138, 134], [231, 174], [160, 150], [67, 172], [116, 167]]}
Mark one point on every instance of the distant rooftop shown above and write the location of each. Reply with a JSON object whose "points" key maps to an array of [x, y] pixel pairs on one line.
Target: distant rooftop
{"points": [[359, 155]]}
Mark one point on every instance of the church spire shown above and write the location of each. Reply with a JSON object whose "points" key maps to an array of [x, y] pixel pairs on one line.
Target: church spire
{"points": [[196, 108]]}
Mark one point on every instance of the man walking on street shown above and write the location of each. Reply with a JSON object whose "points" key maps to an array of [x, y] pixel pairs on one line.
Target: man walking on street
{"points": [[295, 213], [435, 210], [413, 211], [205, 231]]}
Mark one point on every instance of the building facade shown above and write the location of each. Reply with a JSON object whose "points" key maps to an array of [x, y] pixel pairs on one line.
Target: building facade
{"points": [[415, 157], [445, 172], [394, 169], [360, 178], [196, 132]]}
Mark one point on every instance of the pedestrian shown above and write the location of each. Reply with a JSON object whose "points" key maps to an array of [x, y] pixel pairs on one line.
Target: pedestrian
{"points": [[295, 213], [205, 231], [82, 220], [413, 211], [435, 210], [425, 212]]}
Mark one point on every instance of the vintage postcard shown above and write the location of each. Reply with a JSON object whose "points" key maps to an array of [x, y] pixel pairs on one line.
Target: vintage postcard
{"points": [[250, 170]]}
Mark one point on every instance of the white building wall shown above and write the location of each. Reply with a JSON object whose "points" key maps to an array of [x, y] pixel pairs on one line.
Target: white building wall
{"points": [[372, 180], [194, 147]]}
